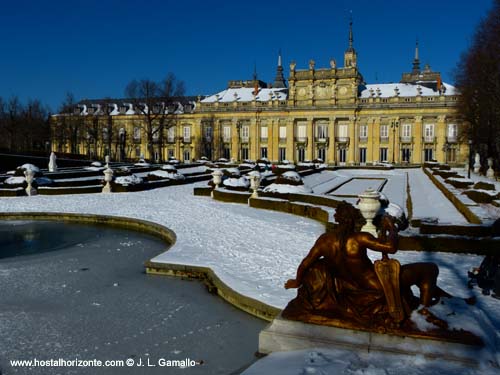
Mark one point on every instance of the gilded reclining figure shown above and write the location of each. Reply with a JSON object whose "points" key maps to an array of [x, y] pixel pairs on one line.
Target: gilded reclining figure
{"points": [[339, 285]]}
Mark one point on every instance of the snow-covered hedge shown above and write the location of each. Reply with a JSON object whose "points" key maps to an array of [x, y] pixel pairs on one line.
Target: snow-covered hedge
{"points": [[241, 183], [162, 174], [482, 196], [286, 188], [289, 178], [128, 180]]}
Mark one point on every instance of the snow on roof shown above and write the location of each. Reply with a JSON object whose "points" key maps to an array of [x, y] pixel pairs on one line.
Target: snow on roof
{"points": [[388, 90], [245, 94]]}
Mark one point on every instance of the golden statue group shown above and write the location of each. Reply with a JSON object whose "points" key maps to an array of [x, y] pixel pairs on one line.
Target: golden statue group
{"points": [[338, 285]]}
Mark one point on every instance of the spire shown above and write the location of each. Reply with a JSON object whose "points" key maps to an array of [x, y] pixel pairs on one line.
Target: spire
{"points": [[351, 39], [279, 81], [416, 61], [350, 57]]}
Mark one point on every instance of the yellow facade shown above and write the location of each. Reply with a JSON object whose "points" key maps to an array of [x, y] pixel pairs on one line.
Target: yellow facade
{"points": [[326, 113]]}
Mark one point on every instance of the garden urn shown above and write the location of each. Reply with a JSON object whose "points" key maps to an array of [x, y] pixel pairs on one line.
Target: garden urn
{"points": [[108, 177], [369, 205], [30, 174], [255, 183]]}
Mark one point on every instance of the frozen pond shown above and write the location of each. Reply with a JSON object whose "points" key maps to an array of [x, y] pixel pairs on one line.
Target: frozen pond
{"points": [[75, 291]]}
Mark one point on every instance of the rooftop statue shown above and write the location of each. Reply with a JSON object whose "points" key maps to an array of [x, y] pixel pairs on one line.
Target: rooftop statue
{"points": [[338, 285]]}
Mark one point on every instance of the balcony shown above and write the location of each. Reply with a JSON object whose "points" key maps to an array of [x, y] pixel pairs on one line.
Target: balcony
{"points": [[342, 139], [282, 140], [384, 139], [244, 139], [301, 139], [187, 140], [321, 140], [226, 139], [428, 139], [137, 139], [263, 140], [170, 139], [363, 139], [452, 139], [406, 139]]}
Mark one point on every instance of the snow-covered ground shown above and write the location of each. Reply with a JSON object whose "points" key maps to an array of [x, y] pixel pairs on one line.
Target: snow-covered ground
{"points": [[256, 251], [427, 199]]}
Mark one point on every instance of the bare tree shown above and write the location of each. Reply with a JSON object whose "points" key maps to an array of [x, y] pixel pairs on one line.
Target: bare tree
{"points": [[478, 80], [70, 123], [155, 102]]}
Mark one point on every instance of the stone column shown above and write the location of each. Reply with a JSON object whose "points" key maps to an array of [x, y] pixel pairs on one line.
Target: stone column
{"points": [[310, 152], [351, 152], [331, 155], [290, 135], [235, 140], [417, 132], [440, 134]]}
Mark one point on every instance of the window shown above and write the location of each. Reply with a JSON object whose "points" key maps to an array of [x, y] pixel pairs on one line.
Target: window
{"points": [[137, 133], [187, 155], [226, 134], [429, 132], [208, 133], [383, 154], [428, 154], [245, 133], [451, 156], [301, 154], [156, 134], [362, 155], [281, 153], [452, 130], [342, 155], [405, 155], [137, 152], [187, 133], [227, 153], [322, 131], [322, 153], [156, 155], [282, 132], [406, 131], [263, 134], [263, 152], [384, 131], [244, 153], [170, 153], [363, 131], [343, 130], [301, 131], [105, 134], [171, 134]]}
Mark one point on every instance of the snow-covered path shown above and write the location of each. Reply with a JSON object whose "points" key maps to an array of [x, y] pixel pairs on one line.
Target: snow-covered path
{"points": [[428, 201]]}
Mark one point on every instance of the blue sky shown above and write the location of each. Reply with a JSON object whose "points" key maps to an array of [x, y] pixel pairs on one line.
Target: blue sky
{"points": [[94, 48]]}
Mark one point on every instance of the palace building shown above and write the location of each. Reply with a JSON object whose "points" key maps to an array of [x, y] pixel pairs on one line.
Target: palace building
{"points": [[322, 113]]}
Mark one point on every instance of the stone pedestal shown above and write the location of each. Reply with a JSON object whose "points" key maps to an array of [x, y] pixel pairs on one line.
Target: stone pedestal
{"points": [[287, 335], [477, 163], [490, 173]]}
